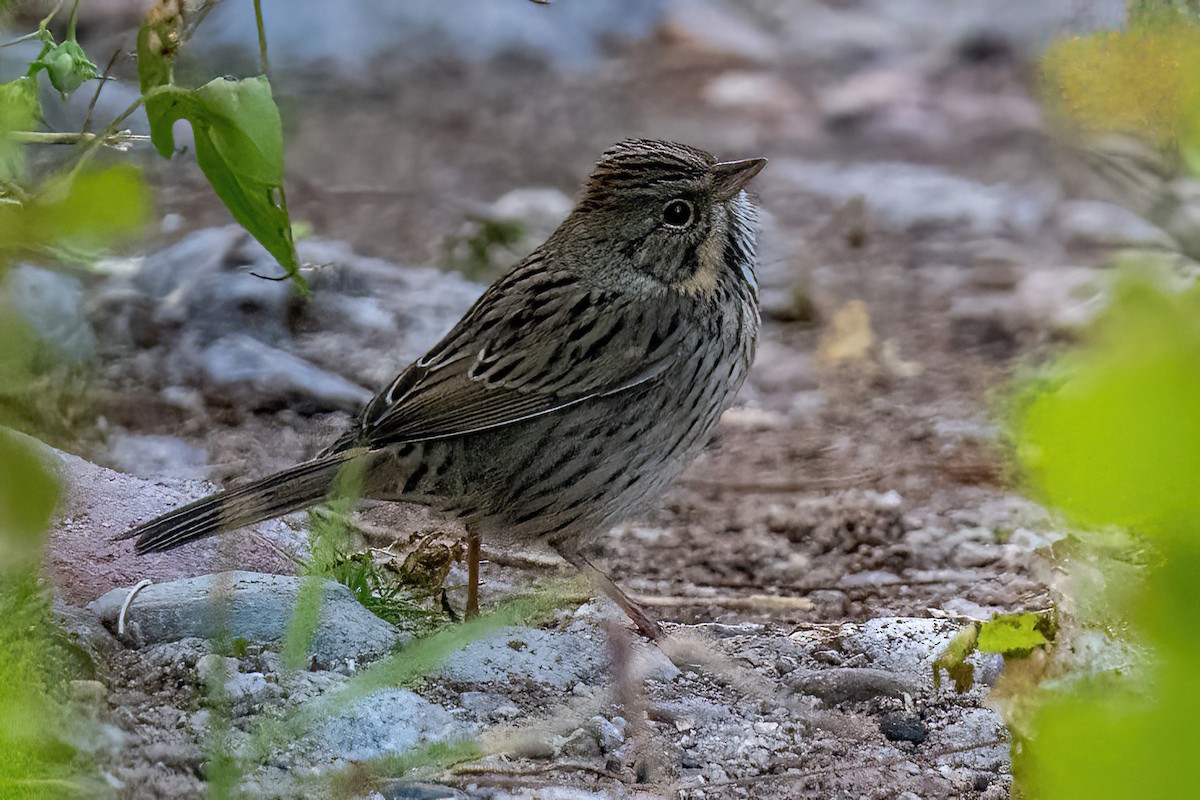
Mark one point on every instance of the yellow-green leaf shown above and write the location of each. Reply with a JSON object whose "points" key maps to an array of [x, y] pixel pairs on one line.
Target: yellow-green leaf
{"points": [[953, 659], [1014, 634]]}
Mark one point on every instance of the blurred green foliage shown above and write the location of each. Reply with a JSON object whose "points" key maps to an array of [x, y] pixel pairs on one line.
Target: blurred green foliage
{"points": [[1142, 80], [67, 216], [19, 111], [36, 761], [28, 494], [1111, 436], [77, 216]]}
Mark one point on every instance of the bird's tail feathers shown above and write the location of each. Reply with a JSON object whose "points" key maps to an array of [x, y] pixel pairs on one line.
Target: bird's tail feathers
{"points": [[291, 490]]}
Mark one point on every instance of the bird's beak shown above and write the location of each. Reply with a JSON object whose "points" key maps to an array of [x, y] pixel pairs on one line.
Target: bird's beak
{"points": [[732, 176]]}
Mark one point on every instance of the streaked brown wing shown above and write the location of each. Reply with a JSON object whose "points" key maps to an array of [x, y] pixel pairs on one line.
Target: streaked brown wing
{"points": [[533, 344]]}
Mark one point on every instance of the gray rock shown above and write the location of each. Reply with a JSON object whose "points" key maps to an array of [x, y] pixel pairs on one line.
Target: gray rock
{"points": [[255, 374], [872, 578], [720, 29], [85, 632], [245, 691], [369, 318], [610, 733], [213, 325], [487, 706], [214, 666], [548, 657], [1178, 212], [201, 287], [94, 738], [227, 302], [424, 301], [976, 739], [1033, 540], [899, 726], [880, 31], [360, 39], [905, 196], [51, 303], [193, 257], [991, 322], [1062, 298], [651, 663], [385, 722], [155, 456], [248, 691], [246, 605], [581, 744], [848, 684]]}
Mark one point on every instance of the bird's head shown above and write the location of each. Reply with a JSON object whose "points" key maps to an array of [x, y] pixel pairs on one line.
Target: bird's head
{"points": [[669, 214]]}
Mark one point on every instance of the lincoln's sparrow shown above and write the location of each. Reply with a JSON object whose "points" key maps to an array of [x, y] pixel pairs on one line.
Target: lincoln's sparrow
{"points": [[576, 388]]}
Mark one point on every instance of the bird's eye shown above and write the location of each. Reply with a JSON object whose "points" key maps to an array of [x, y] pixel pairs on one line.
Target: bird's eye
{"points": [[677, 213]]}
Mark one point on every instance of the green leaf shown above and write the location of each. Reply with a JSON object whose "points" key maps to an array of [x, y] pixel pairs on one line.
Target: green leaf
{"points": [[1015, 634], [20, 110], [239, 146], [36, 762], [28, 495]]}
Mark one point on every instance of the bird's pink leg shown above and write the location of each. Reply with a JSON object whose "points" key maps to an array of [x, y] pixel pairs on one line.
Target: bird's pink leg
{"points": [[472, 574]]}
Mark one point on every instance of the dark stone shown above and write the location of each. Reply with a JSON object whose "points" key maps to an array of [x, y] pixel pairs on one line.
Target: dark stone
{"points": [[899, 726], [421, 791]]}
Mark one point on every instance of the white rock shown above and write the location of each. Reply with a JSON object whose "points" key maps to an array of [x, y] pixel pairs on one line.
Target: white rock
{"points": [[1099, 223], [385, 722]]}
